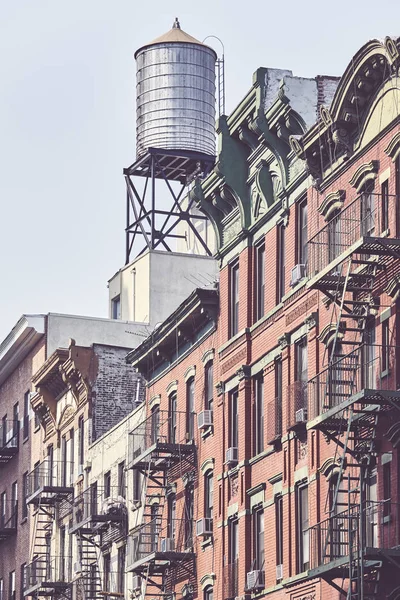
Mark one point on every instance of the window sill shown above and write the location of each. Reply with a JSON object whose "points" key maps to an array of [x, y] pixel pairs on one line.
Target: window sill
{"points": [[209, 431], [385, 373], [207, 542]]}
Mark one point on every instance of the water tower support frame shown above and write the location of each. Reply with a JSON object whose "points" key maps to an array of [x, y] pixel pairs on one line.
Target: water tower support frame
{"points": [[144, 218]]}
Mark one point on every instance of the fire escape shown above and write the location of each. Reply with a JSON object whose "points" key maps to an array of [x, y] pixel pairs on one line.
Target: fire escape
{"points": [[160, 544], [99, 516], [47, 488], [349, 261]]}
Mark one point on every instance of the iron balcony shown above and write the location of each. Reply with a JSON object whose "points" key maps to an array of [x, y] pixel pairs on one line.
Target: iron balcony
{"points": [[48, 576], [96, 508]]}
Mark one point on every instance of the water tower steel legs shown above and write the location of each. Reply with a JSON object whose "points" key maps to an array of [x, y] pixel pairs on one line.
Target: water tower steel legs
{"points": [[144, 218]]}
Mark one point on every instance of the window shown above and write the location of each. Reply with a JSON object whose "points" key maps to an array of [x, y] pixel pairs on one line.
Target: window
{"points": [[208, 494], [173, 418], [258, 540], [14, 502], [153, 527], [11, 586], [189, 514], [385, 346], [369, 359], [234, 299], [26, 415], [280, 264], [233, 419], [121, 479], [116, 307], [107, 572], [81, 441], [155, 423], [3, 508], [209, 385], [387, 488], [367, 207], [208, 593], [107, 484], [302, 254], [50, 467], [137, 486], [15, 420], [171, 505], [259, 415], [190, 408], [24, 494], [260, 280], [36, 420], [397, 191], [62, 572], [385, 205], [63, 461], [334, 229], [233, 555], [22, 585], [2, 589], [302, 528], [279, 529], [71, 456], [301, 360], [121, 569], [278, 397], [4, 430]]}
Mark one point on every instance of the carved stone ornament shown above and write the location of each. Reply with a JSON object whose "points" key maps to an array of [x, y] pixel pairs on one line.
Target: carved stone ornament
{"points": [[342, 140], [220, 388], [393, 287], [296, 146], [328, 333], [311, 321], [243, 372], [332, 203], [393, 148], [325, 116], [234, 486], [364, 173], [284, 341]]}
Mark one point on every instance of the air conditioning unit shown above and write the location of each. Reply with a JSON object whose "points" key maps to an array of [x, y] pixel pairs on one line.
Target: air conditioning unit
{"points": [[136, 583], [167, 545], [231, 457], [204, 527], [77, 568], [298, 273], [279, 572], [301, 415], [255, 580], [205, 419]]}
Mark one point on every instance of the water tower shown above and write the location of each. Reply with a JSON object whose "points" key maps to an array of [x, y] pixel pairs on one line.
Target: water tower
{"points": [[175, 138]]}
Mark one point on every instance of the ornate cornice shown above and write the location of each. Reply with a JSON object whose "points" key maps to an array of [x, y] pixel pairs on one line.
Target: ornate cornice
{"points": [[244, 372], [284, 340]]}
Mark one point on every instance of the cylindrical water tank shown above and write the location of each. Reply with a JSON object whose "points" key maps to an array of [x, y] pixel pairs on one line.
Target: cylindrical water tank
{"points": [[175, 94]]}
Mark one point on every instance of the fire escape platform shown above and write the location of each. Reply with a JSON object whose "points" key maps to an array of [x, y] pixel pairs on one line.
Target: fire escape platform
{"points": [[326, 279], [7, 531], [332, 419], [340, 566], [49, 495], [159, 561], [6, 454], [94, 525], [48, 588], [161, 455]]}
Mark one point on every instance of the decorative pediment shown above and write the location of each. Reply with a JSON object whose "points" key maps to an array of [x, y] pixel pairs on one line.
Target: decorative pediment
{"points": [[331, 204], [66, 416], [365, 173], [393, 149], [330, 468], [328, 333]]}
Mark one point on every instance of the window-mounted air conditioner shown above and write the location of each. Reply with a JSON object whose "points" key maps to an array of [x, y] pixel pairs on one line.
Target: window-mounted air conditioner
{"points": [[167, 545], [231, 457], [203, 527], [298, 273], [136, 583], [255, 580], [205, 419], [301, 415], [279, 572]]}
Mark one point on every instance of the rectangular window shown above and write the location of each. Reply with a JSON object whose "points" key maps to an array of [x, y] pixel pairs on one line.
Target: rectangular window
{"points": [[22, 585], [81, 441], [259, 415], [4, 430], [27, 396], [385, 346], [385, 205], [14, 502], [233, 557], [208, 495], [121, 569], [171, 516], [279, 529], [387, 488], [24, 494], [173, 418], [258, 539], [137, 485], [107, 572], [280, 264], [63, 461], [301, 360], [116, 307], [260, 281], [302, 528], [209, 386], [302, 254], [15, 420], [233, 419], [71, 456], [11, 586], [107, 484], [2, 589], [190, 409], [3, 508], [234, 299], [278, 397], [121, 479], [189, 514]]}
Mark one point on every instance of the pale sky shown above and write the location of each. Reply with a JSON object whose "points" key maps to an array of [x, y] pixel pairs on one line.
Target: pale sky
{"points": [[67, 120]]}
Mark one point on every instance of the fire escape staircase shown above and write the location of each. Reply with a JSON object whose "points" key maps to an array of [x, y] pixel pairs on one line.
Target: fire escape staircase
{"points": [[90, 581]]}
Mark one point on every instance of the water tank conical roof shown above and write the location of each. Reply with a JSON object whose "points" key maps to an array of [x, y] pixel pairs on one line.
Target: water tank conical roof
{"points": [[176, 94]]}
